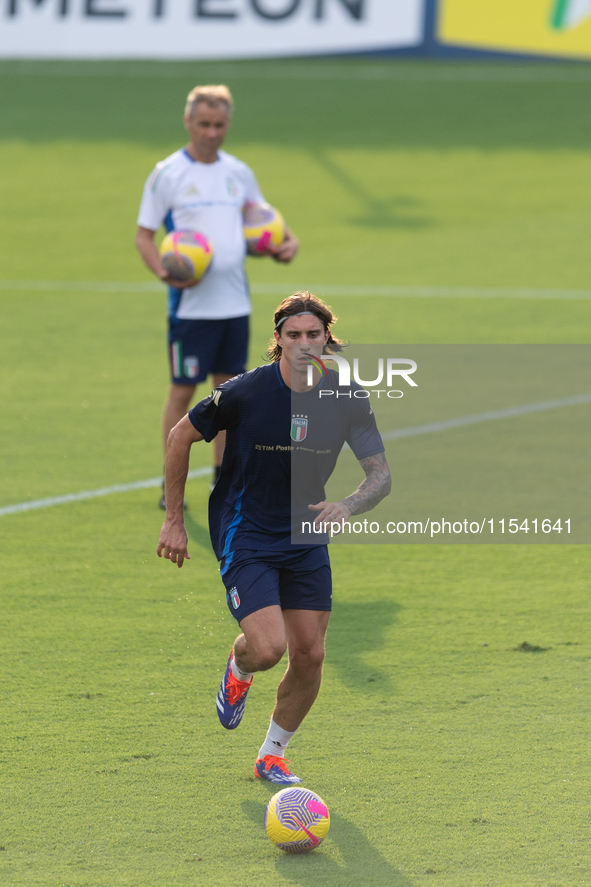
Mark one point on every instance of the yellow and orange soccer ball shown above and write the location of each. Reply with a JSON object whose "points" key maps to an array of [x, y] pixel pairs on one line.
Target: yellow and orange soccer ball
{"points": [[297, 820], [186, 255], [264, 228]]}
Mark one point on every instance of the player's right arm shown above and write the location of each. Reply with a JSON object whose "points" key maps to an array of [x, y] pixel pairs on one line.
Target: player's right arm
{"points": [[157, 202], [144, 241], [173, 536]]}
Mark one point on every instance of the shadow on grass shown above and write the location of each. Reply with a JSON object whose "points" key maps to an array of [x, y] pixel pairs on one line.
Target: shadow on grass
{"points": [[356, 630], [378, 213], [358, 862]]}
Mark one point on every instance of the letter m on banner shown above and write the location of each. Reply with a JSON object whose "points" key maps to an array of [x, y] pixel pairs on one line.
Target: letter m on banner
{"points": [[13, 8]]}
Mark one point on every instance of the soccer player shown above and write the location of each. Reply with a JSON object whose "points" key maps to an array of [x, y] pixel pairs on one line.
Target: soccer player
{"points": [[201, 188], [279, 592]]}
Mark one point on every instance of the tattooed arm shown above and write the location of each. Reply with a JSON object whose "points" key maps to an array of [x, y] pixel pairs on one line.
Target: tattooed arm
{"points": [[369, 493], [374, 488]]}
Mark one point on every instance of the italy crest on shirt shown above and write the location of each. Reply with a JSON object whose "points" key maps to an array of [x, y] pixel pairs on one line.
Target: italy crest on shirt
{"points": [[299, 427]]}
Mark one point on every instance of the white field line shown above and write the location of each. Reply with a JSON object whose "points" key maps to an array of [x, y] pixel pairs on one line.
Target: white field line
{"points": [[93, 494], [279, 289], [421, 72], [397, 434], [491, 415]]}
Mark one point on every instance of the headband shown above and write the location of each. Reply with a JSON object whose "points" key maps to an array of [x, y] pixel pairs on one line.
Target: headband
{"points": [[299, 314]]}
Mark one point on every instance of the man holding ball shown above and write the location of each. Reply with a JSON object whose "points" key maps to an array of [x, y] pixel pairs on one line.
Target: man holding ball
{"points": [[201, 188]]}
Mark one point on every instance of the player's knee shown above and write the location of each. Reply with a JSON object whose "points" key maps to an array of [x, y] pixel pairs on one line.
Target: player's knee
{"points": [[269, 655], [308, 659]]}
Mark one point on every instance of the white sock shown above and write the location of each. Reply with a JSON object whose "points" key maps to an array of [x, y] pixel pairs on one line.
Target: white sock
{"points": [[276, 741], [239, 675]]}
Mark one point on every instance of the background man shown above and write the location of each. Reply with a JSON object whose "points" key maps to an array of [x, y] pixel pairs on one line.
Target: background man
{"points": [[201, 188], [279, 593]]}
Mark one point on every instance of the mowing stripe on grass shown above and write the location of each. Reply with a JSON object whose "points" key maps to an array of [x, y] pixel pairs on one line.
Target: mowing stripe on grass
{"points": [[428, 292], [284, 289], [84, 286], [430, 72], [396, 434]]}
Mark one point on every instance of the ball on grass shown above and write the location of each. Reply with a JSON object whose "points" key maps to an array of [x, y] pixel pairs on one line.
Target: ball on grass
{"points": [[296, 820]]}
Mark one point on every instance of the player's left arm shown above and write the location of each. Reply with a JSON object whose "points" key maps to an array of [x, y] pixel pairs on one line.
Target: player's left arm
{"points": [[286, 251], [375, 487], [290, 244]]}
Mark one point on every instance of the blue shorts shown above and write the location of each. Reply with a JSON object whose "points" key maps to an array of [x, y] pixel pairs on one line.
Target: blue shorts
{"points": [[198, 348], [295, 580]]}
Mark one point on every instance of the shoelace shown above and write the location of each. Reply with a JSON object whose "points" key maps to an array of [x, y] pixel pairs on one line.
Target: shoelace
{"points": [[274, 760], [236, 689]]}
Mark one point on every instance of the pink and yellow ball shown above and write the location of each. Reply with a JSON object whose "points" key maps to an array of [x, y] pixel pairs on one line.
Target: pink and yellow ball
{"points": [[297, 820], [186, 255], [264, 227]]}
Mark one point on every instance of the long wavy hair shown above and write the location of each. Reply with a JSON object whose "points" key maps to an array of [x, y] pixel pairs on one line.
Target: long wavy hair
{"points": [[296, 304]]}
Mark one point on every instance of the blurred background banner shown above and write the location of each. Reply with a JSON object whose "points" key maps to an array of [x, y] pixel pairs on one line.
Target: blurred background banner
{"points": [[539, 27], [225, 29], [204, 29]]}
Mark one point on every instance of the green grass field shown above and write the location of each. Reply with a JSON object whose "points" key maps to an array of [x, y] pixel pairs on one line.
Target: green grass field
{"points": [[446, 756]]}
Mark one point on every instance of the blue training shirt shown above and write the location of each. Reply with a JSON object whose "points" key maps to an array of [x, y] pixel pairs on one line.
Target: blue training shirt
{"points": [[271, 430]]}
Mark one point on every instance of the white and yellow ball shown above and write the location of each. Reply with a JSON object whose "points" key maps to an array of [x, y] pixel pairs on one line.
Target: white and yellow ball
{"points": [[297, 820], [186, 255], [264, 227]]}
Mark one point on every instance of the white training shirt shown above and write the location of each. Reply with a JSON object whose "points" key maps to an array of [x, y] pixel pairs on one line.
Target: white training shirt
{"points": [[184, 194]]}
